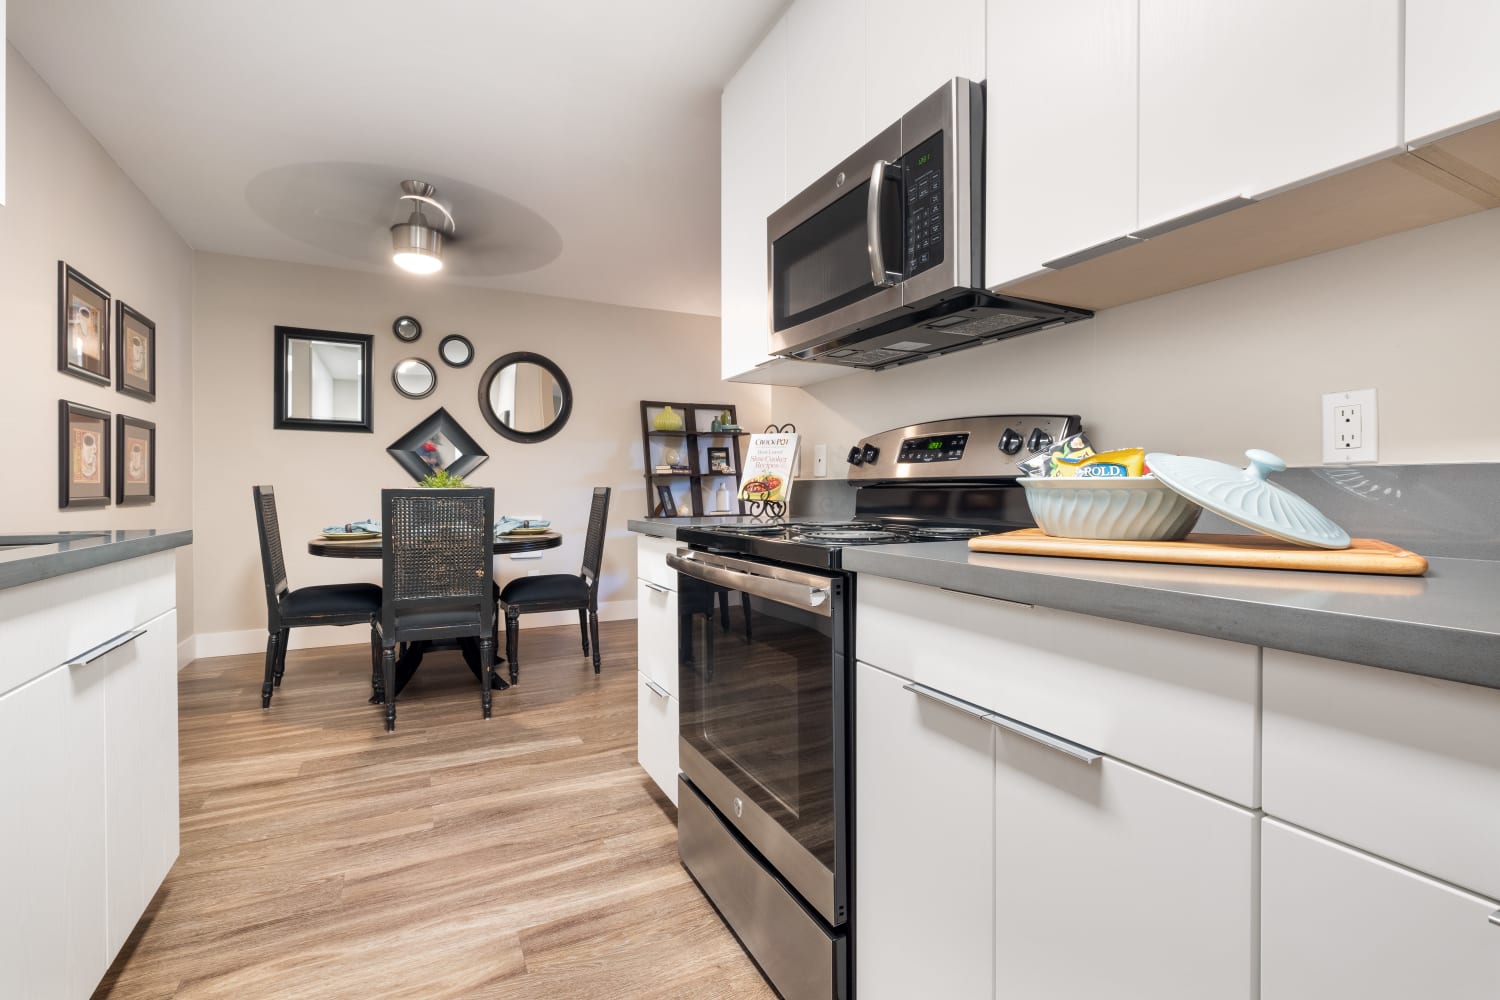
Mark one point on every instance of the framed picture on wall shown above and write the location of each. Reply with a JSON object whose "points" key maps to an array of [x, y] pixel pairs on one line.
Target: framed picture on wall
{"points": [[82, 326], [135, 468], [135, 354], [83, 455]]}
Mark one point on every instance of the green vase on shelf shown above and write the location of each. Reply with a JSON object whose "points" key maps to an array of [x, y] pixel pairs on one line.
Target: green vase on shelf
{"points": [[668, 420]]}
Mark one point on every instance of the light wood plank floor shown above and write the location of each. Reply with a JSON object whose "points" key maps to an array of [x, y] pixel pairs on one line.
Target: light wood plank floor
{"points": [[528, 856]]}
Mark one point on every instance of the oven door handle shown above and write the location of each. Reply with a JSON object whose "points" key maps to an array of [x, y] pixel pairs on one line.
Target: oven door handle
{"points": [[792, 594], [879, 276]]}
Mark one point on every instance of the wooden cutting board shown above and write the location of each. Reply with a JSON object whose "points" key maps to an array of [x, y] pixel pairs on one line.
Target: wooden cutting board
{"points": [[1364, 555]]}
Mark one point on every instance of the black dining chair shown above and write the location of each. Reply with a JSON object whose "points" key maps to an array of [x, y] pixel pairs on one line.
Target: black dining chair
{"points": [[437, 548], [286, 609], [561, 591]]}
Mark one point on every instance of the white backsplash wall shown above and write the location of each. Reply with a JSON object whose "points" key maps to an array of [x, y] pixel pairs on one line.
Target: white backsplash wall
{"points": [[1234, 364], [613, 356]]}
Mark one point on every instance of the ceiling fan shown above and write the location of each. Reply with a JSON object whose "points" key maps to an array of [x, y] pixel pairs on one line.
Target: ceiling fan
{"points": [[417, 245]]}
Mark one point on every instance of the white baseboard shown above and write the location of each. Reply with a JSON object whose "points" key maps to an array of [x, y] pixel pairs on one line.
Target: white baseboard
{"points": [[253, 640]]}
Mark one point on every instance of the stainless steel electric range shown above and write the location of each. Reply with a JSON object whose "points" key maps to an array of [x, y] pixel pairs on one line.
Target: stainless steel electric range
{"points": [[765, 672]]}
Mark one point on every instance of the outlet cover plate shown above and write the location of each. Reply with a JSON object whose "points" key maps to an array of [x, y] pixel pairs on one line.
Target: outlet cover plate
{"points": [[1368, 430]]}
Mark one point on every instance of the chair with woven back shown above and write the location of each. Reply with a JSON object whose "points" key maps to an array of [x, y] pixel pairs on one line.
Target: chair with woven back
{"points": [[437, 549], [286, 609], [561, 591]]}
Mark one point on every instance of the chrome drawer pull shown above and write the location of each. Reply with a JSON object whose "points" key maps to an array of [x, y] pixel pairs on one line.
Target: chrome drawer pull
{"points": [[657, 689], [1495, 918], [1075, 750], [933, 694], [656, 587], [109, 646]]}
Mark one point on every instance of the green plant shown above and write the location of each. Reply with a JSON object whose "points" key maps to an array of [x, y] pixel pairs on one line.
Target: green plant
{"points": [[442, 479]]}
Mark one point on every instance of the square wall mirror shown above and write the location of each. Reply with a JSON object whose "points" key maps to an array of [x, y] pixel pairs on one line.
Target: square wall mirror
{"points": [[322, 380]]}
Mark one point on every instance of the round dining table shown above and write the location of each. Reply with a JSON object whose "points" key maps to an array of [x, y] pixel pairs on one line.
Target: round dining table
{"points": [[411, 657]]}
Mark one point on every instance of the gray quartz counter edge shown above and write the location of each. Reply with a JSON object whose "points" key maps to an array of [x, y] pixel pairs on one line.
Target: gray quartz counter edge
{"points": [[21, 566], [656, 529], [1444, 625]]}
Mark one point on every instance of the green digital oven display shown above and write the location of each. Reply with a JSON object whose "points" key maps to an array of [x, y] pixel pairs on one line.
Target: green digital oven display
{"points": [[935, 445]]}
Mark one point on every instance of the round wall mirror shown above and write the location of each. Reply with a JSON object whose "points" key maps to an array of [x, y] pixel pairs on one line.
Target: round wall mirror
{"points": [[414, 378], [456, 350], [406, 328], [525, 397]]}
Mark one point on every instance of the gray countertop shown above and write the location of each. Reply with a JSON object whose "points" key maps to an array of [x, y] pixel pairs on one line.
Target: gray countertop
{"points": [[1445, 624], [666, 527], [79, 550]]}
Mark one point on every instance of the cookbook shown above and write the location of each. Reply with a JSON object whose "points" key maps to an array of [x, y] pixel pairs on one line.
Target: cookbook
{"points": [[767, 468]]}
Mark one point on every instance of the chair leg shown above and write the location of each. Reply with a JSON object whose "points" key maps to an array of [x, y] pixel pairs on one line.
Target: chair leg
{"points": [[594, 631], [745, 610], [265, 688], [512, 640], [281, 644], [723, 599], [377, 678], [388, 673], [486, 668], [583, 626]]}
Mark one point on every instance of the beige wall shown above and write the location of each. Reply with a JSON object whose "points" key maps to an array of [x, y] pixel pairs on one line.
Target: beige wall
{"points": [[613, 356], [67, 200], [1235, 364]]}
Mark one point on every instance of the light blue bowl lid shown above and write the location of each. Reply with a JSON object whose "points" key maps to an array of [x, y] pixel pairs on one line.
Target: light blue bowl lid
{"points": [[1247, 498]]}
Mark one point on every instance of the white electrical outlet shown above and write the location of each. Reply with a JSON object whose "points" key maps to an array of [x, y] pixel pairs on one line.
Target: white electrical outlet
{"points": [[820, 461], [1350, 427]]}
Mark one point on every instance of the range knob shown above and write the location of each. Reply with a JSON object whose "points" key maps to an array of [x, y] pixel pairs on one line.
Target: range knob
{"points": [[856, 455], [1010, 442], [870, 454], [1038, 440]]}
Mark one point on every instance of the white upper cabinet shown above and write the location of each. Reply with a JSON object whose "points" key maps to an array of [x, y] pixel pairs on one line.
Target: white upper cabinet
{"points": [[913, 49], [1246, 98], [825, 87], [1452, 65], [1061, 131]]}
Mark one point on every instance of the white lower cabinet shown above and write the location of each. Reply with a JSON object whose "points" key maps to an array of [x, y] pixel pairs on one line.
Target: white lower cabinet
{"points": [[656, 636], [1336, 922], [656, 659], [656, 735], [924, 822], [1112, 882]]}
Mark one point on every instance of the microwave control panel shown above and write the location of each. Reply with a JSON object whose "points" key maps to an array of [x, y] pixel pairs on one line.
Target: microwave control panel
{"points": [[922, 178], [937, 448]]}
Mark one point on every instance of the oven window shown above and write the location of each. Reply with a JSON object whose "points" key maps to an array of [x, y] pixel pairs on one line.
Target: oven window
{"points": [[757, 694], [824, 264]]}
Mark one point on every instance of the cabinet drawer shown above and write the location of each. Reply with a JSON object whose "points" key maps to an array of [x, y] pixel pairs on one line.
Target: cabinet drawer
{"points": [[651, 561], [656, 736], [1339, 923], [46, 623], [656, 634], [1182, 705], [1402, 766]]}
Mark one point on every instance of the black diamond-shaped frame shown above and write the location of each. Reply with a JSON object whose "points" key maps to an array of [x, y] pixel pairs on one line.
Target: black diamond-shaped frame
{"points": [[404, 448]]}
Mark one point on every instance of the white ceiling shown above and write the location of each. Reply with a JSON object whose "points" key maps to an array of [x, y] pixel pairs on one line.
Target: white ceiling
{"points": [[583, 135]]}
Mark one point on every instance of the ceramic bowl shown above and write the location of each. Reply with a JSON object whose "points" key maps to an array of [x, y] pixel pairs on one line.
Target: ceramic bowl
{"points": [[1136, 509]]}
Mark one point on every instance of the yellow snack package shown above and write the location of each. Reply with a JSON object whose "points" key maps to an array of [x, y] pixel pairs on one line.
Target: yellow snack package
{"points": [[1120, 463]]}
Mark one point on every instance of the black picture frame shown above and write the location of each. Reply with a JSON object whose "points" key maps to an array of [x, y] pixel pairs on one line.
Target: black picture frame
{"points": [[126, 316], [124, 474], [406, 449], [718, 462], [501, 427], [67, 481], [664, 496], [93, 326], [285, 335]]}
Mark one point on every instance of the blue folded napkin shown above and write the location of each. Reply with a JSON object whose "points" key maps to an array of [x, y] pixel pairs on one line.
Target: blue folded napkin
{"points": [[368, 526], [505, 525]]}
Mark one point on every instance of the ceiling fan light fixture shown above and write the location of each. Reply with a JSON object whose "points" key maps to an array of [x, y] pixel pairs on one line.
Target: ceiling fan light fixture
{"points": [[416, 246]]}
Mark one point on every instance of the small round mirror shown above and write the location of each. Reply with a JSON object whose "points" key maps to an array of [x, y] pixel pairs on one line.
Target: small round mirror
{"points": [[414, 378], [406, 328], [525, 397], [456, 350]]}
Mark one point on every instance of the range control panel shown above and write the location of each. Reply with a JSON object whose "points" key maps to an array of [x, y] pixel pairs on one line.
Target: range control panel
{"points": [[990, 447]]}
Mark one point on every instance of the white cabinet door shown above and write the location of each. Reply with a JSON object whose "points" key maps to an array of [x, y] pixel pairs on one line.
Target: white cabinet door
{"points": [[1061, 131], [656, 634], [825, 87], [913, 49], [1452, 69], [53, 941], [140, 699], [924, 828], [1244, 98], [1339, 923], [1112, 882], [656, 735]]}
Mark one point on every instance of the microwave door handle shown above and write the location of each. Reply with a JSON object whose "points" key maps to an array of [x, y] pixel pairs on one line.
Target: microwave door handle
{"points": [[878, 273]]}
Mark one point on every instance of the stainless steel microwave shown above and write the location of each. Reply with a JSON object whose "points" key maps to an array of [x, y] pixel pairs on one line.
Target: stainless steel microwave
{"points": [[880, 262]]}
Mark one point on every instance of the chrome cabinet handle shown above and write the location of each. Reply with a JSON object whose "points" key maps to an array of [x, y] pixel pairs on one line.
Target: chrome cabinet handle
{"points": [[1075, 750], [1196, 215], [1089, 253], [108, 646], [879, 276], [657, 689], [942, 698], [656, 587], [1495, 918]]}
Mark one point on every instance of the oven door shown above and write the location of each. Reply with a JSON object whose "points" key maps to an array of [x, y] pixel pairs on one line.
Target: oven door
{"points": [[762, 680]]}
